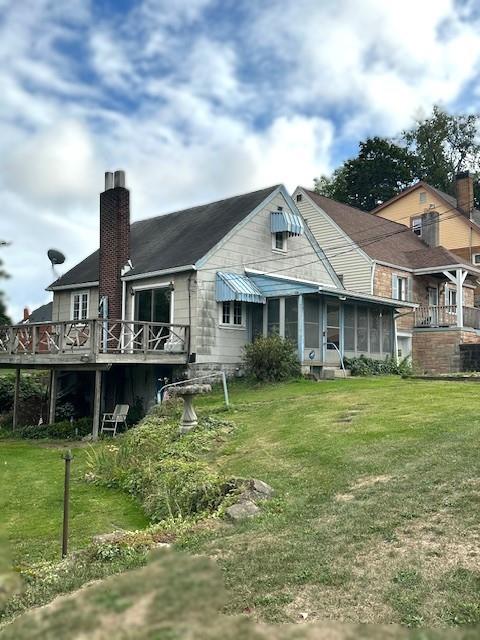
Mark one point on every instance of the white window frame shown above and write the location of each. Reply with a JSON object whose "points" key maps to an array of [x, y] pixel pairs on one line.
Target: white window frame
{"points": [[284, 247], [417, 225], [80, 294], [422, 197], [231, 325], [396, 288], [474, 257], [158, 285], [449, 290]]}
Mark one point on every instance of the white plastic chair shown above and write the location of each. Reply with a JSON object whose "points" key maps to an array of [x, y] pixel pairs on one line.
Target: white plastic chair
{"points": [[119, 416]]}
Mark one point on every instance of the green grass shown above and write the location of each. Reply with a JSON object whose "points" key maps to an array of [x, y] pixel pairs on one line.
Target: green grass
{"points": [[378, 495], [31, 502]]}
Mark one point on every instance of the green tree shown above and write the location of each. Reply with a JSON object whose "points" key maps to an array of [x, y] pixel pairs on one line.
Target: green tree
{"points": [[381, 169], [444, 145]]}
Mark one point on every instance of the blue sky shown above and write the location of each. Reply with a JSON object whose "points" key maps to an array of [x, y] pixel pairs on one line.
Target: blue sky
{"points": [[201, 99]]}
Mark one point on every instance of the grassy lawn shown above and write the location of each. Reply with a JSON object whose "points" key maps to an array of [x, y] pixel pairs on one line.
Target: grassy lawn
{"points": [[376, 517], [31, 502]]}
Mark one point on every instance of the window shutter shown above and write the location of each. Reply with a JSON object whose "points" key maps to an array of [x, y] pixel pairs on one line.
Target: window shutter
{"points": [[410, 289], [394, 286]]}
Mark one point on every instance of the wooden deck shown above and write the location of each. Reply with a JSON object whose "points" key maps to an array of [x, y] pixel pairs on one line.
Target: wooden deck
{"points": [[92, 343]]}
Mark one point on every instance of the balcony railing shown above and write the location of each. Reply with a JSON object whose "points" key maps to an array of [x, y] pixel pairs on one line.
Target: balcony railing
{"points": [[93, 337], [446, 316]]}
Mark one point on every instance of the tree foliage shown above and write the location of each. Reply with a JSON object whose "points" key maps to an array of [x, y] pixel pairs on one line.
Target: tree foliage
{"points": [[4, 319], [434, 149]]}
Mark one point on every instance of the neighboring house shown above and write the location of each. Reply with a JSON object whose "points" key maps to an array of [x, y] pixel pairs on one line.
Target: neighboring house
{"points": [[41, 314], [183, 293], [439, 218], [384, 258]]}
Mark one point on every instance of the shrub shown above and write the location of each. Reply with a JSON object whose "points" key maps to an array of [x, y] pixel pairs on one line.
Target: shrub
{"points": [[363, 366], [271, 359], [64, 430], [33, 397], [167, 473]]}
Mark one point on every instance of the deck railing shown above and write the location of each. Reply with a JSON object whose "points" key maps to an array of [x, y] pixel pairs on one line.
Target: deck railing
{"points": [[93, 337], [446, 316]]}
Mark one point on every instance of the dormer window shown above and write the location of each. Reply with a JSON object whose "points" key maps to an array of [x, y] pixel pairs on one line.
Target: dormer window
{"points": [[279, 241]]}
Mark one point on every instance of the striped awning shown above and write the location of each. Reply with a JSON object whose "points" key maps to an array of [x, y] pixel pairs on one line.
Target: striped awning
{"points": [[287, 221], [232, 286]]}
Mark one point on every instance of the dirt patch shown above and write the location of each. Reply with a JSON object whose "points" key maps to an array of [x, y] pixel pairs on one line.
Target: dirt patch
{"points": [[362, 483]]}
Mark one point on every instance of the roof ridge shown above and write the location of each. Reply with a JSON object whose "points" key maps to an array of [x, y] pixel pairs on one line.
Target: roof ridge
{"points": [[207, 204]]}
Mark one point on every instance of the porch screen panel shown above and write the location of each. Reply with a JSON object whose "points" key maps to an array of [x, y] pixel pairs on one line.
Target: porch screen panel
{"points": [[387, 332], [311, 315], [333, 326], [349, 328], [257, 320], [362, 329], [273, 316], [375, 320], [291, 319]]}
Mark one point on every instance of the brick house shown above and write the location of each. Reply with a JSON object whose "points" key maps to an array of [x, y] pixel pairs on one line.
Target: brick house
{"points": [[384, 258], [181, 294]]}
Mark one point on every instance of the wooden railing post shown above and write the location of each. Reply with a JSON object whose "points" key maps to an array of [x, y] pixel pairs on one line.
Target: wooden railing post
{"points": [[34, 338]]}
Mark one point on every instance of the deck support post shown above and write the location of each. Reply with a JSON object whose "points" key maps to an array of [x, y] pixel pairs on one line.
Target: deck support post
{"points": [[16, 398], [96, 403], [52, 407]]}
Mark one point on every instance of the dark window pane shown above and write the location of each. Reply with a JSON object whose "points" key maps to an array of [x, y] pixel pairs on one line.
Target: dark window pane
{"points": [[362, 329], [374, 331], [273, 316], [257, 320], [349, 328], [143, 303], [291, 319], [312, 322], [226, 313], [387, 332], [237, 312], [161, 305]]}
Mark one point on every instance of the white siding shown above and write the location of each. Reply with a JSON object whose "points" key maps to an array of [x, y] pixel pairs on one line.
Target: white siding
{"points": [[354, 266], [250, 247]]}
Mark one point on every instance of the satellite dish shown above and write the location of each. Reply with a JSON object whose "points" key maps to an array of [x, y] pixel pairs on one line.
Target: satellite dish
{"points": [[55, 257]]}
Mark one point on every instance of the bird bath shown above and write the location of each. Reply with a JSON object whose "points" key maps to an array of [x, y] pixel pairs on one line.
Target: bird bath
{"points": [[187, 393]]}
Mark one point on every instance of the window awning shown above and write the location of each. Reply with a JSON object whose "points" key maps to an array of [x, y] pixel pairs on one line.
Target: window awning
{"points": [[286, 221], [232, 286]]}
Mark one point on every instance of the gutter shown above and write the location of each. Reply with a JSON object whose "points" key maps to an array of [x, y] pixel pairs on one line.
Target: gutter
{"points": [[161, 272]]}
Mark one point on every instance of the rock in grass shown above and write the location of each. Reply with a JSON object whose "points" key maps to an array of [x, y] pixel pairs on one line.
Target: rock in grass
{"points": [[261, 489], [242, 510]]}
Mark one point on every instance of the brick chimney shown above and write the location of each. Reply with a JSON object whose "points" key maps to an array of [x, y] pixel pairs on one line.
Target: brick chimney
{"points": [[464, 192], [26, 313], [114, 240]]}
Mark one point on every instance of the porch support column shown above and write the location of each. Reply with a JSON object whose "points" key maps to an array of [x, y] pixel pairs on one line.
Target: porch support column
{"points": [[96, 403], [460, 279], [53, 396], [16, 398], [301, 329]]}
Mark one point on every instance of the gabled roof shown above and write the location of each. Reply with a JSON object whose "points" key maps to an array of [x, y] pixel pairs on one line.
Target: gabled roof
{"points": [[176, 239], [41, 314], [449, 200], [384, 240]]}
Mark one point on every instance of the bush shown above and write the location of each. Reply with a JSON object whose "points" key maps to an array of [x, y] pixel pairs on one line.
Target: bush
{"points": [[33, 397], [363, 366], [64, 430], [167, 473], [271, 359]]}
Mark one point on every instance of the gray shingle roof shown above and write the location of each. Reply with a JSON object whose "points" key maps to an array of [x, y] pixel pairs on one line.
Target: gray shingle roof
{"points": [[382, 239], [174, 239], [42, 314]]}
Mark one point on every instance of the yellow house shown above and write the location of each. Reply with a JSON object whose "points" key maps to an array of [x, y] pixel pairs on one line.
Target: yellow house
{"points": [[438, 218]]}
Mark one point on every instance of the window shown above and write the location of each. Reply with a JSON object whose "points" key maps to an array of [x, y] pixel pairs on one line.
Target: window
{"points": [[311, 311], [387, 332], [80, 306], [349, 328], [232, 313], [423, 197], [401, 287], [450, 296], [299, 197], [280, 241], [153, 305], [362, 329], [291, 319], [476, 258], [417, 226], [375, 319], [273, 316], [333, 326]]}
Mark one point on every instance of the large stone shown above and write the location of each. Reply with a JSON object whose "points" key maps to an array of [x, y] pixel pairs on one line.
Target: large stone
{"points": [[260, 489], [109, 538], [242, 510]]}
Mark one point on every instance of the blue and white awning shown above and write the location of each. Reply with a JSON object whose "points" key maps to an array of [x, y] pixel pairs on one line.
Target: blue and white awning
{"points": [[232, 286], [287, 221]]}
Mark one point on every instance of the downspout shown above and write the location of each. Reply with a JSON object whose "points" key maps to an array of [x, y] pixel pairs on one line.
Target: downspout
{"points": [[189, 281]]}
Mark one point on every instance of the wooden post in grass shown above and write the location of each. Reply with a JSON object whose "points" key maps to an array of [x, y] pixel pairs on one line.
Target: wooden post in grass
{"points": [[96, 403], [52, 407], [66, 499], [16, 398]]}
